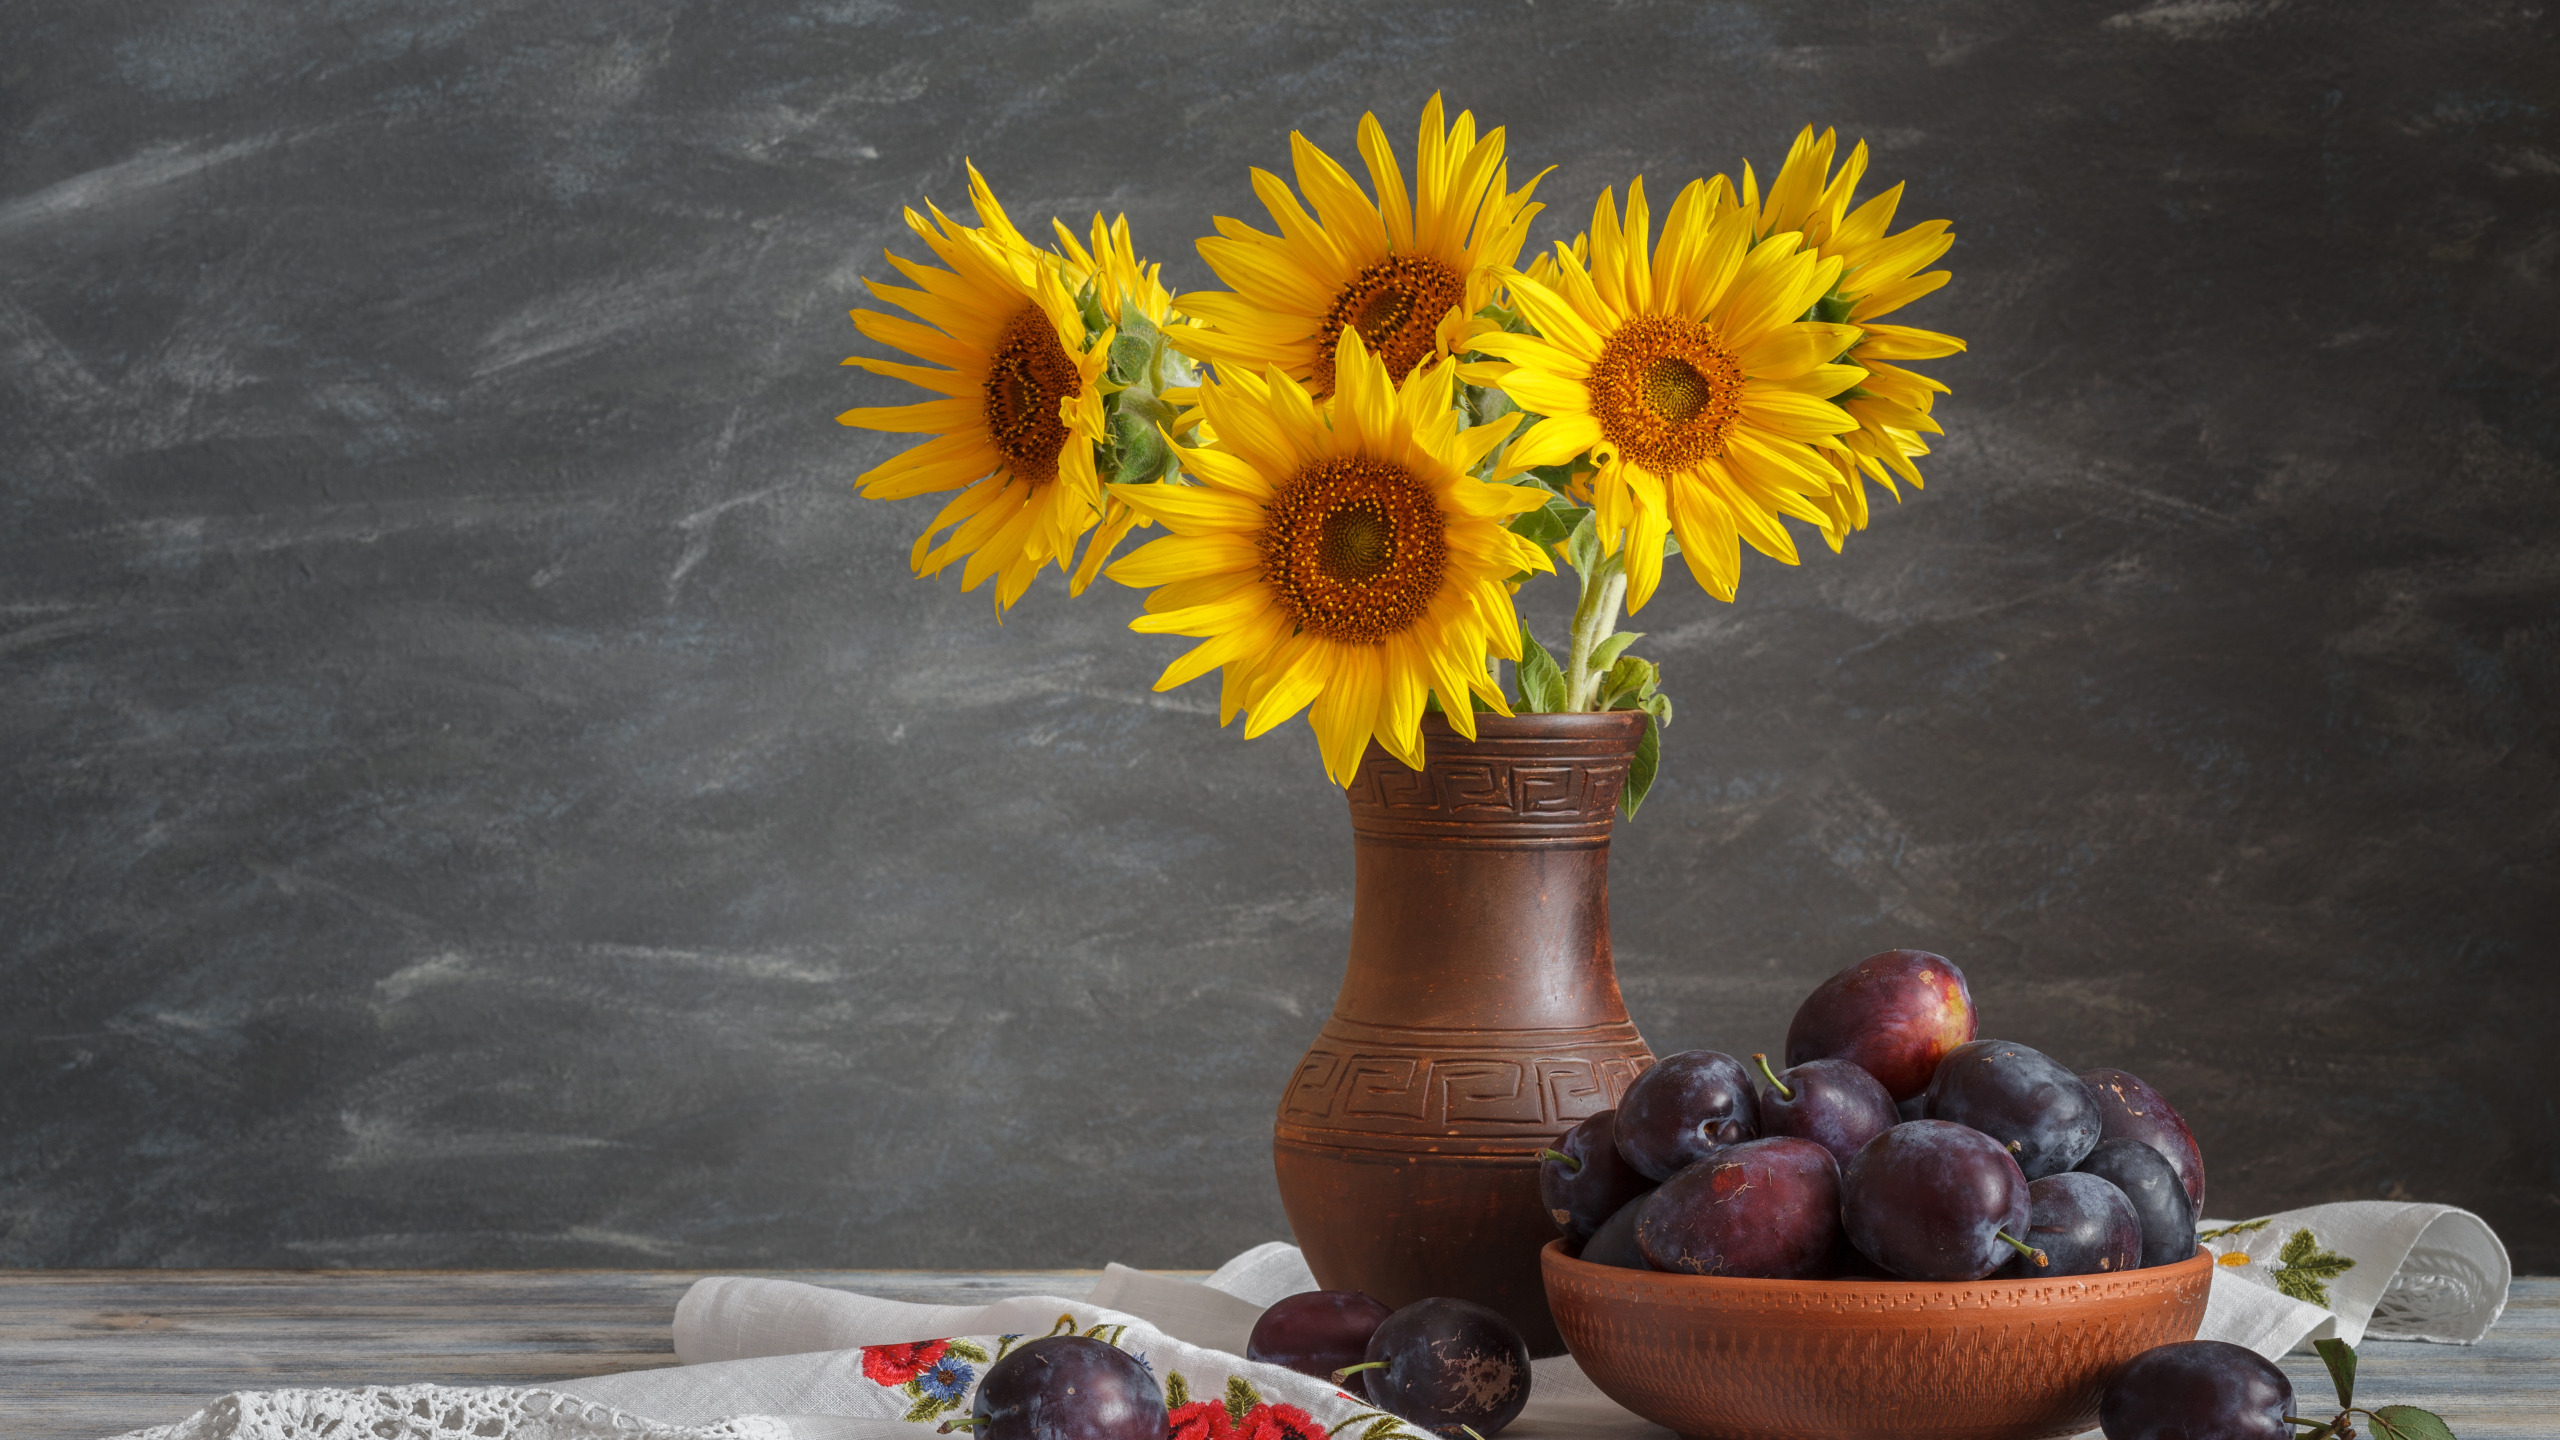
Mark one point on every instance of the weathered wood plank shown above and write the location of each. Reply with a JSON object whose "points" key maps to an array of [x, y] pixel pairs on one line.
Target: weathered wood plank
{"points": [[89, 1353]]}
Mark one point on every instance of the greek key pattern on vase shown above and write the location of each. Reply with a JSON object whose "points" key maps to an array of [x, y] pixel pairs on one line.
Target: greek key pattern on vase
{"points": [[1489, 796], [1506, 1097]]}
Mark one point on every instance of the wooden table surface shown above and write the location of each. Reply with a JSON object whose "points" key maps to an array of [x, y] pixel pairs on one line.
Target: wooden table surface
{"points": [[90, 1353]]}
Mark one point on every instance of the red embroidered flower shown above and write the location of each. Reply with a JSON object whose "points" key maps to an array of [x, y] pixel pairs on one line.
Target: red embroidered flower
{"points": [[898, 1364], [1199, 1420], [1279, 1422]]}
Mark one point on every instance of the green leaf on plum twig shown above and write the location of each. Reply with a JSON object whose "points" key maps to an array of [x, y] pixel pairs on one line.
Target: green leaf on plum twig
{"points": [[2408, 1422], [2340, 1357], [2308, 1269], [1541, 680], [1241, 1398]]}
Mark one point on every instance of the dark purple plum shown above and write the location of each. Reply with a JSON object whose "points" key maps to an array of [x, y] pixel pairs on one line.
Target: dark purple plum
{"points": [[2197, 1390], [1930, 1200], [1584, 1180], [1614, 1243], [1444, 1364], [2084, 1226], [2148, 1180], [1915, 1108], [1832, 1103], [1687, 1107], [1067, 1387], [1893, 1015], [2131, 1110], [1317, 1332], [1765, 1209], [2022, 1098]]}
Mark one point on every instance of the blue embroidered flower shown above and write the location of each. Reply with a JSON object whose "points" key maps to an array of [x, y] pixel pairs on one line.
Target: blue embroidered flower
{"points": [[948, 1378]]}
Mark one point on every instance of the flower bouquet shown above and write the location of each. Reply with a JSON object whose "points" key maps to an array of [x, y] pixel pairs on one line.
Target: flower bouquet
{"points": [[1359, 452], [1387, 424]]}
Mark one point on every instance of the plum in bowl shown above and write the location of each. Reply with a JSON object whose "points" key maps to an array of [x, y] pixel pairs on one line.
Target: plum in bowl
{"points": [[1714, 1358]]}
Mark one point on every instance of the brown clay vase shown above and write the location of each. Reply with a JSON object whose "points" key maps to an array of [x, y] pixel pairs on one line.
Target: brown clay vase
{"points": [[1478, 1018]]}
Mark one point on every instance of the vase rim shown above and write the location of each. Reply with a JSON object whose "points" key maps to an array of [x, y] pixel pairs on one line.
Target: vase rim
{"points": [[1535, 726]]}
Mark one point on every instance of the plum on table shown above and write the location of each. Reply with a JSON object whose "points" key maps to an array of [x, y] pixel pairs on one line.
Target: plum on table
{"points": [[2197, 1390], [1448, 1366], [2020, 1097], [1316, 1332], [1067, 1387], [1767, 1209], [1894, 1015], [1683, 1109]]}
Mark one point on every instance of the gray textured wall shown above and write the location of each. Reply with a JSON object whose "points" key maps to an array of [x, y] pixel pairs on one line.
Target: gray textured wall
{"points": [[480, 790]]}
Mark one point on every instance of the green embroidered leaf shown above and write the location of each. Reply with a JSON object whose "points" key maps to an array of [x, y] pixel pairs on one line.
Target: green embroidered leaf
{"points": [[2308, 1269], [1342, 1425], [2340, 1357], [1177, 1391], [927, 1408], [2243, 1228], [1066, 1326], [969, 1350], [1241, 1398], [1385, 1427], [1004, 1343], [2408, 1422]]}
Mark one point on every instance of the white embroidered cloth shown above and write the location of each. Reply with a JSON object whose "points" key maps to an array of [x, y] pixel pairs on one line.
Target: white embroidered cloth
{"points": [[776, 1360]]}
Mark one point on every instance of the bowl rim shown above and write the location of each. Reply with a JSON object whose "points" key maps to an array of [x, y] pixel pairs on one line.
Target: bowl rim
{"points": [[1553, 1255]]}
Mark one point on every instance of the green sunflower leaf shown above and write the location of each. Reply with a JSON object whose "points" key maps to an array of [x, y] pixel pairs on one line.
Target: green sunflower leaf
{"points": [[1546, 526], [2308, 1269], [1640, 773], [1606, 653], [1143, 455], [1582, 547], [2408, 1422], [1541, 680], [2340, 1357]]}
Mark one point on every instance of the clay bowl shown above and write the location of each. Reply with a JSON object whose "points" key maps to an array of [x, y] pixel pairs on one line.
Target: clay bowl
{"points": [[1722, 1359]]}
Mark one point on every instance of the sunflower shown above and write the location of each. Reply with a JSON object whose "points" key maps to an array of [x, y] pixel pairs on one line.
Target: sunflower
{"points": [[1338, 556], [1685, 372], [1119, 281], [1407, 273], [1880, 274], [1023, 408]]}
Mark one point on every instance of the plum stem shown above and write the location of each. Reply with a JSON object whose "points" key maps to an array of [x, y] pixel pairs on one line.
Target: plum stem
{"points": [[1572, 1166], [1356, 1369], [2023, 1248], [1774, 1082]]}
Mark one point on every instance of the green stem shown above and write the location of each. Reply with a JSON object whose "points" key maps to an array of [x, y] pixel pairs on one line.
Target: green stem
{"points": [[1774, 1082], [1356, 1369], [1594, 620], [2023, 1248], [1572, 1166]]}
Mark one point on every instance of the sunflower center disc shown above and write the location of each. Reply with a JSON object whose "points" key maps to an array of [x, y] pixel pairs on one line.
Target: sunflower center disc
{"points": [[1027, 377], [1397, 305], [1354, 548], [1666, 391]]}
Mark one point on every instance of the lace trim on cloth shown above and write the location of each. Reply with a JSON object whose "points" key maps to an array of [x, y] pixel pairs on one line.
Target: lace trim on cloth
{"points": [[436, 1412]]}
